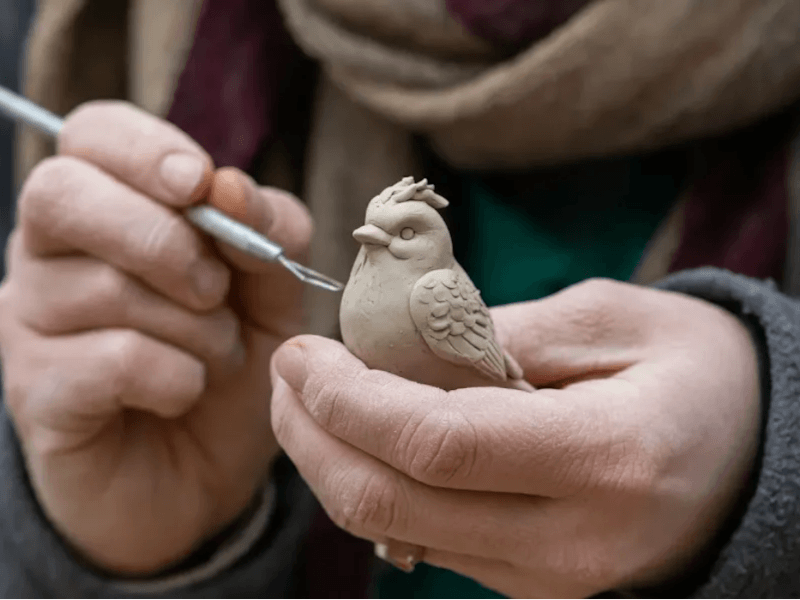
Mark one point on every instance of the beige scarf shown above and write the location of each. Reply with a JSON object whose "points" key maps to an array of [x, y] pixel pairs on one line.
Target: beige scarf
{"points": [[620, 76]]}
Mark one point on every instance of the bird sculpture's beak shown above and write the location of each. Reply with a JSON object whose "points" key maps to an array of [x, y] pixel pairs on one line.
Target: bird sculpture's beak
{"points": [[371, 234]]}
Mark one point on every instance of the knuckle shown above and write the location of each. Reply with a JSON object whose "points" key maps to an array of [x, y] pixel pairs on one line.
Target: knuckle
{"points": [[599, 291], [16, 392], [20, 406], [123, 353], [371, 504], [326, 402], [82, 121], [104, 298], [142, 140], [443, 447], [13, 253], [32, 389], [50, 319], [592, 309], [226, 333], [109, 287], [110, 295], [47, 181], [88, 110], [195, 384]]}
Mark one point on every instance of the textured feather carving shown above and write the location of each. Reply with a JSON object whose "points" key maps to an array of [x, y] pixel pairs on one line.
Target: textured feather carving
{"points": [[450, 314]]}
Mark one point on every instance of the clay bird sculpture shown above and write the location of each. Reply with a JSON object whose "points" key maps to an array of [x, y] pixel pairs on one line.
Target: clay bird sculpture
{"points": [[409, 308]]}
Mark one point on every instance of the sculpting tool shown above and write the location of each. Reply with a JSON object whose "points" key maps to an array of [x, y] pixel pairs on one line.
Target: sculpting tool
{"points": [[215, 223]]}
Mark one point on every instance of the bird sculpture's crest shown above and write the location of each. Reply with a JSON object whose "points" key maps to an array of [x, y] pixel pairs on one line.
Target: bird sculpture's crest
{"points": [[407, 189]]}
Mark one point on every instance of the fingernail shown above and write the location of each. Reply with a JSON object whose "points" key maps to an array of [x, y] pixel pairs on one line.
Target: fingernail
{"points": [[400, 555], [209, 280], [382, 551], [290, 363], [182, 173]]}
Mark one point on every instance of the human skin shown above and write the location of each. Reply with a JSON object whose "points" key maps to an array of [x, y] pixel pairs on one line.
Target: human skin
{"points": [[134, 349], [616, 473]]}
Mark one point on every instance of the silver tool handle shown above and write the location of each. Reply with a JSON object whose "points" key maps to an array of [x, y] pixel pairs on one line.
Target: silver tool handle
{"points": [[22, 109], [234, 233]]}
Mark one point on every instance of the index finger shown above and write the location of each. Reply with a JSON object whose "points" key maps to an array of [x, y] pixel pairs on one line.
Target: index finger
{"points": [[149, 154], [545, 443]]}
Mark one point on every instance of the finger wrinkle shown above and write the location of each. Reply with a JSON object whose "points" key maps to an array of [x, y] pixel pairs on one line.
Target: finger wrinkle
{"points": [[323, 404], [404, 451], [373, 505], [337, 402], [448, 449]]}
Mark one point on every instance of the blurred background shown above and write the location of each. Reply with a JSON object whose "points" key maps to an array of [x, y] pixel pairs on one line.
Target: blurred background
{"points": [[14, 19]]}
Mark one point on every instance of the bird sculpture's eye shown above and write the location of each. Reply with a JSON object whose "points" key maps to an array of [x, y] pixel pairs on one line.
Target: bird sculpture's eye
{"points": [[407, 233]]}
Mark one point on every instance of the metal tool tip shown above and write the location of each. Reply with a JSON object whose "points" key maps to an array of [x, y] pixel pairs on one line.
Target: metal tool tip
{"points": [[310, 276]]}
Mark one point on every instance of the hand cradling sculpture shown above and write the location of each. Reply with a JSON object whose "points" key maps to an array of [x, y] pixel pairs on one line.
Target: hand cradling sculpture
{"points": [[409, 308]]}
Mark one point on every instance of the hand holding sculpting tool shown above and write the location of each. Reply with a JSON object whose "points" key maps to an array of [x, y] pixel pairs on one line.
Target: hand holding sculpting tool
{"points": [[206, 218]]}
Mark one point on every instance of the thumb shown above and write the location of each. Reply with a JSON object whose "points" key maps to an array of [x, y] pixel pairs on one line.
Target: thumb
{"points": [[593, 329]]}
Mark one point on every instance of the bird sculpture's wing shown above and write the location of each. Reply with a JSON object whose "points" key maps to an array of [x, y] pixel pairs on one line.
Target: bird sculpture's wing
{"points": [[450, 314]]}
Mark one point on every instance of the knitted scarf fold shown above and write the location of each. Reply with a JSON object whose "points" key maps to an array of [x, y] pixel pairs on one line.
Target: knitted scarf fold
{"points": [[618, 76]]}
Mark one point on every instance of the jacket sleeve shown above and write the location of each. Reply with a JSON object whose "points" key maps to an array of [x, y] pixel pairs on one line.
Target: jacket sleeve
{"points": [[261, 560], [759, 553]]}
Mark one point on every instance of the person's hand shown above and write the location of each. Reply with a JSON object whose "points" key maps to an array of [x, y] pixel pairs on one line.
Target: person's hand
{"points": [[615, 473], [135, 352]]}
